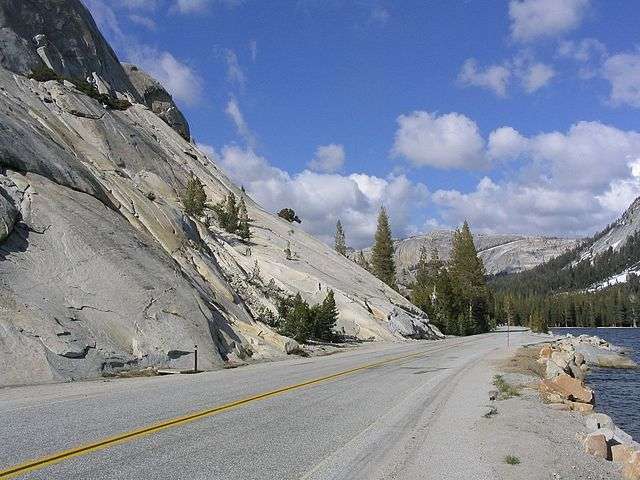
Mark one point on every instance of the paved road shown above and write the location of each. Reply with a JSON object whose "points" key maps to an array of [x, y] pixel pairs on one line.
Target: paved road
{"points": [[354, 425]]}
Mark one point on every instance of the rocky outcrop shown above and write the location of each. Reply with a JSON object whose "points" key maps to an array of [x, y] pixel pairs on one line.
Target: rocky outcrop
{"points": [[101, 269], [565, 363], [62, 35], [155, 97]]}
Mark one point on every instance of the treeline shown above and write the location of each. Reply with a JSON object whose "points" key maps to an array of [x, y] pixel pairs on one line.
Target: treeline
{"points": [[615, 306], [563, 289]]}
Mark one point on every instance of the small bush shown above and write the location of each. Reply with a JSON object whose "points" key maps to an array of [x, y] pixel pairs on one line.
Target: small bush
{"points": [[505, 389], [289, 215], [511, 460], [44, 74], [194, 198]]}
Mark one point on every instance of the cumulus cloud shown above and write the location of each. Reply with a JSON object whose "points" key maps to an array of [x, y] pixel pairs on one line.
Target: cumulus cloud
{"points": [[506, 143], [494, 77], [537, 76], [444, 141], [328, 158], [320, 198], [534, 19], [623, 72], [531, 74], [379, 15], [569, 182]]}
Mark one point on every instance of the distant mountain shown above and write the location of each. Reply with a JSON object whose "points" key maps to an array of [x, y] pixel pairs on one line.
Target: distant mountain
{"points": [[501, 253]]}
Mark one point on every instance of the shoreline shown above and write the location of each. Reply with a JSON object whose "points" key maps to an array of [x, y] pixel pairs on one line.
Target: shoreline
{"points": [[562, 365]]}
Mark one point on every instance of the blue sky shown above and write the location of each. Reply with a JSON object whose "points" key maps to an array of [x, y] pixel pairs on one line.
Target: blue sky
{"points": [[519, 115]]}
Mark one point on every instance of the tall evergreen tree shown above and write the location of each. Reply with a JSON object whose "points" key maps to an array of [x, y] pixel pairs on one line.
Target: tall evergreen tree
{"points": [[382, 262], [244, 230], [326, 318], [194, 197], [231, 208], [468, 278], [340, 242]]}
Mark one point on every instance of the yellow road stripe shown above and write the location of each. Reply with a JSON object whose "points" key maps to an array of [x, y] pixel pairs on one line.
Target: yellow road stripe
{"points": [[37, 464]]}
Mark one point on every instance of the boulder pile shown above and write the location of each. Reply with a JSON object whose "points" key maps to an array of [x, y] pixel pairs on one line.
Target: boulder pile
{"points": [[566, 363]]}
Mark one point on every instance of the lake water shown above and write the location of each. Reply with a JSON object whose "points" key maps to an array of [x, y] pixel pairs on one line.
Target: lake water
{"points": [[617, 390]]}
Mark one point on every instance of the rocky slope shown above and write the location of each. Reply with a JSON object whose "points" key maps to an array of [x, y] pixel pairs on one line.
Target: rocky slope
{"points": [[501, 253], [100, 269]]}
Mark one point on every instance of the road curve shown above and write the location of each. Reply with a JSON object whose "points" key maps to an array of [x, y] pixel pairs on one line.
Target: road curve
{"points": [[344, 416]]}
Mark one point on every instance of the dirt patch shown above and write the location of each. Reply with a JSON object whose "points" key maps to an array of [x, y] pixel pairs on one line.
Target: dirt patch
{"points": [[524, 361]]}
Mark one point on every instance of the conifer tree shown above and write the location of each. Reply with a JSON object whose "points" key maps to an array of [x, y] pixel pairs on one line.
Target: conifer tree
{"points": [[468, 277], [340, 242], [243, 221], [382, 262], [231, 209], [326, 318], [194, 197], [362, 261]]}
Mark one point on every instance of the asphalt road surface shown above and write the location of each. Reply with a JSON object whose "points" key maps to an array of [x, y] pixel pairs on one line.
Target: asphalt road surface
{"points": [[363, 413]]}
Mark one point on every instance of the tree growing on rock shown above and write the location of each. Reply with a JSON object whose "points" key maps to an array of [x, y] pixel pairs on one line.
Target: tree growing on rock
{"points": [[301, 322], [194, 197], [244, 230], [326, 316], [340, 241], [362, 261], [227, 212], [289, 215], [382, 262]]}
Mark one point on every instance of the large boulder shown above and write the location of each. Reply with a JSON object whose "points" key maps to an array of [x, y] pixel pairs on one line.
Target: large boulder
{"points": [[410, 326], [596, 444], [156, 97], [8, 215]]}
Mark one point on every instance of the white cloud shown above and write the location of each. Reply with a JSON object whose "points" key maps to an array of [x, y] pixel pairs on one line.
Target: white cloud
{"points": [[191, 6], [537, 76], [145, 22], [180, 80], [236, 116], [139, 4], [583, 50], [320, 198], [506, 143], [623, 72], [446, 141], [531, 74], [534, 19], [572, 182], [328, 158], [494, 77], [235, 74]]}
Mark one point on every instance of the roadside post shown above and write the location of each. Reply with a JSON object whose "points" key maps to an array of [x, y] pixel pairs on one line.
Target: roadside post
{"points": [[195, 359]]}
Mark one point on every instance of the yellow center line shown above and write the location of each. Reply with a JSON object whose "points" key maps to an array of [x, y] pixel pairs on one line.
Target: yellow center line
{"points": [[40, 463]]}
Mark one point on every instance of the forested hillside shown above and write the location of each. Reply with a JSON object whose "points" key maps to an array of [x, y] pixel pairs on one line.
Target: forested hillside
{"points": [[577, 288]]}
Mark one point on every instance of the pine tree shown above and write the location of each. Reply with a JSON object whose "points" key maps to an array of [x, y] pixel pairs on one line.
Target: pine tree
{"points": [[382, 262], [326, 318], [468, 277], [194, 197], [231, 209], [362, 261], [243, 221], [340, 243]]}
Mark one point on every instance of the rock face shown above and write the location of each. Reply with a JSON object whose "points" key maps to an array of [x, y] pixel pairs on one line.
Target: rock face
{"points": [[500, 253], [100, 268], [155, 97], [62, 35]]}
